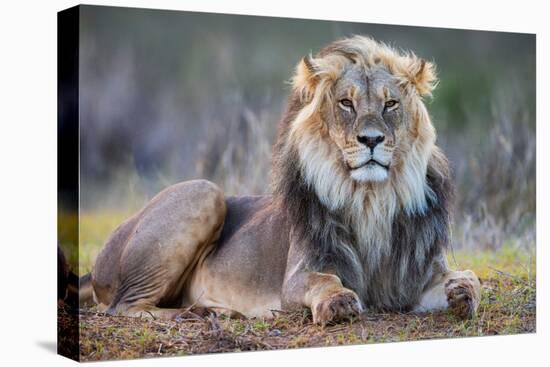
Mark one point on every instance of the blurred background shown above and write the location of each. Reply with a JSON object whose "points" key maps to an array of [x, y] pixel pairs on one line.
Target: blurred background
{"points": [[170, 96]]}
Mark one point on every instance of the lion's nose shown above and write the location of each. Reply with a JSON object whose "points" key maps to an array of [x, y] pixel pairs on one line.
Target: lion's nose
{"points": [[371, 141]]}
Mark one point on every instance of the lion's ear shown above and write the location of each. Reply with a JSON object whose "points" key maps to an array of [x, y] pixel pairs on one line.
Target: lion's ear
{"points": [[422, 75], [306, 78]]}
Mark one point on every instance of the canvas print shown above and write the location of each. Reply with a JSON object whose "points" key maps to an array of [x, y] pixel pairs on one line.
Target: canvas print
{"points": [[242, 183]]}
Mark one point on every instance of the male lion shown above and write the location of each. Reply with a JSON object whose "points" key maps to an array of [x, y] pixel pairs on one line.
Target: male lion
{"points": [[358, 216]]}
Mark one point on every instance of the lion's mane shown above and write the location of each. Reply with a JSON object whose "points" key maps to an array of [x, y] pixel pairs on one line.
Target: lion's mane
{"points": [[384, 241]]}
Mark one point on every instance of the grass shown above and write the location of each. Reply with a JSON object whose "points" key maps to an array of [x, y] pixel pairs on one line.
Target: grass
{"points": [[508, 306]]}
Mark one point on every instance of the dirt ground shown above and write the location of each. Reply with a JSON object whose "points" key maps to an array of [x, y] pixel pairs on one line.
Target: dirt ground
{"points": [[508, 307]]}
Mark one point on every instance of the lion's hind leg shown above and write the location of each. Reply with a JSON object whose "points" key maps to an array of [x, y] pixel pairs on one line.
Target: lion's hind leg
{"points": [[175, 229], [458, 291]]}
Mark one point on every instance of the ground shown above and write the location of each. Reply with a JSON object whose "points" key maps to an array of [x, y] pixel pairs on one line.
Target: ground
{"points": [[508, 306]]}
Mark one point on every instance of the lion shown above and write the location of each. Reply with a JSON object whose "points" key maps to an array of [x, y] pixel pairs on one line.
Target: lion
{"points": [[358, 215]]}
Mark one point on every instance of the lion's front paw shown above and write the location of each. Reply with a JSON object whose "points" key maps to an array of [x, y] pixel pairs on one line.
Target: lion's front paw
{"points": [[463, 294], [337, 307]]}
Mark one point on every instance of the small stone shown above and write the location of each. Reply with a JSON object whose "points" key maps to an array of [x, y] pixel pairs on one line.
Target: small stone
{"points": [[274, 332]]}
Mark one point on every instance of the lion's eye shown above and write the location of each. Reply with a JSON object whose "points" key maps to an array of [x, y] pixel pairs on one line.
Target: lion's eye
{"points": [[391, 103], [346, 103]]}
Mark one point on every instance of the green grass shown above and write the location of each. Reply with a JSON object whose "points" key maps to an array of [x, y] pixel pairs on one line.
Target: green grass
{"points": [[510, 258]]}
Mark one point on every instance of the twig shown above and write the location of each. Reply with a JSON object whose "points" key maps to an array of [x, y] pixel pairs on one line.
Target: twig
{"points": [[150, 313], [515, 277]]}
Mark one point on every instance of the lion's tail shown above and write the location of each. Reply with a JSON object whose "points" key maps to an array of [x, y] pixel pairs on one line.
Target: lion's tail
{"points": [[85, 292]]}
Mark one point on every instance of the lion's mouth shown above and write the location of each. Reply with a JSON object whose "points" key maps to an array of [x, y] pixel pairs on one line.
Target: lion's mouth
{"points": [[371, 162]]}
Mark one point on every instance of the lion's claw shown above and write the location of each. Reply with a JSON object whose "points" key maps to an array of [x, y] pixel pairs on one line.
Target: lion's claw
{"points": [[337, 307], [463, 296]]}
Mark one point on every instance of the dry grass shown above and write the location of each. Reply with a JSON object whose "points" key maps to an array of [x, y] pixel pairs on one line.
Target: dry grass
{"points": [[508, 307]]}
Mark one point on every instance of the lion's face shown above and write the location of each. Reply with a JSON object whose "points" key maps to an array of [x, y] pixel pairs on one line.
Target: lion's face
{"points": [[366, 121], [360, 119]]}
